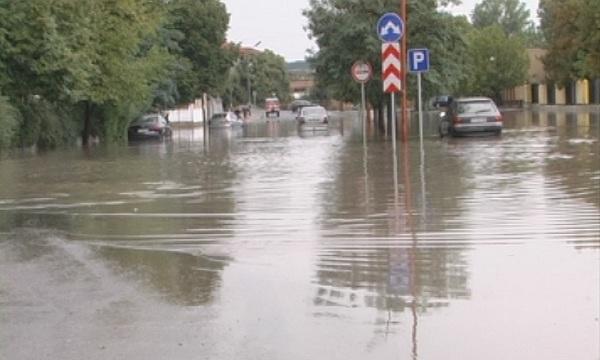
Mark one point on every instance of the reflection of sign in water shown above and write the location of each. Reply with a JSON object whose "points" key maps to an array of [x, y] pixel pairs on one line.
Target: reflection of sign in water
{"points": [[399, 273]]}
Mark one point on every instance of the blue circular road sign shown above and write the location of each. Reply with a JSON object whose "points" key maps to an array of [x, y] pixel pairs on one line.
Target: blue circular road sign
{"points": [[390, 27]]}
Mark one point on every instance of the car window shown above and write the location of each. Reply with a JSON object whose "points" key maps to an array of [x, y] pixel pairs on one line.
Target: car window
{"points": [[313, 111], [475, 107], [150, 119]]}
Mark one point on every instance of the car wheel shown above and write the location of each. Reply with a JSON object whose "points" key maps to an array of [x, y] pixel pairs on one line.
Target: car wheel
{"points": [[498, 132]]}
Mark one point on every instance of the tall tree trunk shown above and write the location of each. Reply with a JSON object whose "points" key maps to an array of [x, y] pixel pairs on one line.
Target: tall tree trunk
{"points": [[87, 124]]}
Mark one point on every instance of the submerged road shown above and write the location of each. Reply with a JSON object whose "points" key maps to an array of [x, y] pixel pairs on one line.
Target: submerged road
{"points": [[267, 242]]}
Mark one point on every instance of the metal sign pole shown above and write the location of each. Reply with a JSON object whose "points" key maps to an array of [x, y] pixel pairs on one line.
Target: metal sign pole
{"points": [[394, 122], [396, 190], [363, 111], [420, 109]]}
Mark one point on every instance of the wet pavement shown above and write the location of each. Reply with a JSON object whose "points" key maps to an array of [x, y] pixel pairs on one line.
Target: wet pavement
{"points": [[267, 242]]}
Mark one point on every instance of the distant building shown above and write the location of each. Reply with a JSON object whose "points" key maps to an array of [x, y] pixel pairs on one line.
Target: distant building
{"points": [[539, 90], [302, 79]]}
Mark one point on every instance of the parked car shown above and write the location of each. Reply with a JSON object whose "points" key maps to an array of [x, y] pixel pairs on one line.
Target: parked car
{"points": [[224, 120], [151, 125], [272, 106], [316, 115], [469, 116], [442, 101]]}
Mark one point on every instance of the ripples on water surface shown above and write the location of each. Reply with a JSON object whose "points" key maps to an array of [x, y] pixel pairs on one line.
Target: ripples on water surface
{"points": [[268, 243]]}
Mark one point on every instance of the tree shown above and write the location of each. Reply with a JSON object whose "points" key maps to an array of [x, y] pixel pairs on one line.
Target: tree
{"points": [[71, 57], [203, 25], [344, 32], [269, 76], [511, 16], [495, 62], [257, 75], [571, 31], [9, 121]]}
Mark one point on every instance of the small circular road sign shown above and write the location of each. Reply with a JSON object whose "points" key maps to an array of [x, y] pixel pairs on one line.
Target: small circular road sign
{"points": [[362, 72]]}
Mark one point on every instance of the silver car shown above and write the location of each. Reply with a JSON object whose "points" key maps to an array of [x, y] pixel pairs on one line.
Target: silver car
{"points": [[315, 115], [470, 116]]}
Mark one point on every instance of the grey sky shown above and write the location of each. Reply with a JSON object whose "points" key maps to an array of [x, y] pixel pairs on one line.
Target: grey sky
{"points": [[279, 25]]}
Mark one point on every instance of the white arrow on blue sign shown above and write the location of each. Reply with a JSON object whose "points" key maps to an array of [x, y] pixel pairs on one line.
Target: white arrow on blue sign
{"points": [[390, 27], [418, 60]]}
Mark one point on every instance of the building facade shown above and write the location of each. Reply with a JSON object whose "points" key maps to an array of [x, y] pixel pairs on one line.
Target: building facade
{"points": [[539, 90]]}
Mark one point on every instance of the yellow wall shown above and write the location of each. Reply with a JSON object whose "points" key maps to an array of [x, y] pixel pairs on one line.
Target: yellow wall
{"points": [[583, 92], [543, 91], [561, 96]]}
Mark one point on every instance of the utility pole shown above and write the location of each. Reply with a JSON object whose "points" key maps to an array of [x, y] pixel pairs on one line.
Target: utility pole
{"points": [[405, 112]]}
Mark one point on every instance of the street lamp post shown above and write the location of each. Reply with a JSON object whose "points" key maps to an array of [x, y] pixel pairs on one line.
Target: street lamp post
{"points": [[249, 83]]}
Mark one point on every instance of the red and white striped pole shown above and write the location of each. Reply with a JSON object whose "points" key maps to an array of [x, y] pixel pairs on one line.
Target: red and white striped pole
{"points": [[392, 78]]}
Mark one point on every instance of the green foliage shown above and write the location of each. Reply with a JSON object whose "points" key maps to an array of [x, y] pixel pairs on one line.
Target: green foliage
{"points": [[511, 16], [269, 76], [572, 30], [534, 37], [45, 125], [263, 74], [66, 53], [9, 122], [344, 31], [204, 25], [495, 62]]}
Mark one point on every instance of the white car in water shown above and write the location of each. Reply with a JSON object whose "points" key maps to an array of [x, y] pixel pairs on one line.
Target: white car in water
{"points": [[312, 115]]}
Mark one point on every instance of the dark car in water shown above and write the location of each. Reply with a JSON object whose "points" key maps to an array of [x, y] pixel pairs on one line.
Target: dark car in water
{"points": [[473, 115], [150, 126]]}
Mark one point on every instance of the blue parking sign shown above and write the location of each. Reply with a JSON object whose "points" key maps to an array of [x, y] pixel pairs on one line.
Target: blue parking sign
{"points": [[418, 60]]}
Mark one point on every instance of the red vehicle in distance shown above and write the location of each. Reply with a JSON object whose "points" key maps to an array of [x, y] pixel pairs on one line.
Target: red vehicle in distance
{"points": [[272, 106]]}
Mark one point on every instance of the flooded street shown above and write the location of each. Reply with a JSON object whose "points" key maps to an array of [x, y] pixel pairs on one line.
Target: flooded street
{"points": [[272, 243]]}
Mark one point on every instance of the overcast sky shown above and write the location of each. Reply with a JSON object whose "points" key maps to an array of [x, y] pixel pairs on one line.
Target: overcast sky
{"points": [[279, 25]]}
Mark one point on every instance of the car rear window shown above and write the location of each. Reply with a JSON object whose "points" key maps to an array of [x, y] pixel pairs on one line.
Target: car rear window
{"points": [[313, 111], [151, 119], [475, 107]]}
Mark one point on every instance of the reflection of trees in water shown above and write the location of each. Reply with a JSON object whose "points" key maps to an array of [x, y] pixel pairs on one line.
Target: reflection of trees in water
{"points": [[375, 255], [186, 209], [146, 209], [183, 279]]}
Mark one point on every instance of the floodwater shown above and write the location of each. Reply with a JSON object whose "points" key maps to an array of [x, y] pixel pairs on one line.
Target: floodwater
{"points": [[272, 243]]}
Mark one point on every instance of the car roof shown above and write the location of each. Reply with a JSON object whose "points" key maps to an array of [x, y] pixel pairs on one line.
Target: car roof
{"points": [[472, 99], [313, 107]]}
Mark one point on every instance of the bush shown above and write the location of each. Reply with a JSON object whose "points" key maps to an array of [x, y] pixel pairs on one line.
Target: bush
{"points": [[46, 125], [9, 123]]}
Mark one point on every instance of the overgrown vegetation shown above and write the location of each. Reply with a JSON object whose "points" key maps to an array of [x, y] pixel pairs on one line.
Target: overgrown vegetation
{"points": [[87, 68], [481, 57], [572, 31]]}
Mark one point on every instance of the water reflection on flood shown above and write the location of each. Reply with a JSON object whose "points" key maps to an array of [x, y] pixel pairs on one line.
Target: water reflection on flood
{"points": [[275, 242]]}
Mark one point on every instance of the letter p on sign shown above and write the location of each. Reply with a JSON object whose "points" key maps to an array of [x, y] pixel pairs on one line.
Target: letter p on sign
{"points": [[418, 60]]}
